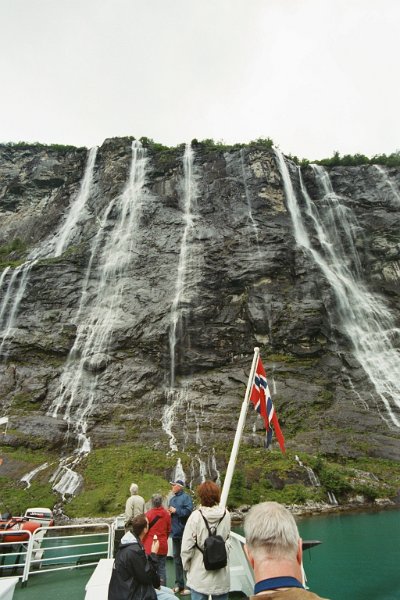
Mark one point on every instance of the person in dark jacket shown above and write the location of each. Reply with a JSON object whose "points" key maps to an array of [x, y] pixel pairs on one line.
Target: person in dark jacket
{"points": [[180, 506], [134, 574]]}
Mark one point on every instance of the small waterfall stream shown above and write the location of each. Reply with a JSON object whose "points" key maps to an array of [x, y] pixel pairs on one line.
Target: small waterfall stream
{"points": [[178, 308], [389, 183], [247, 194], [179, 473], [365, 320], [315, 482], [11, 301], [50, 248], [29, 476], [78, 208], [181, 300]]}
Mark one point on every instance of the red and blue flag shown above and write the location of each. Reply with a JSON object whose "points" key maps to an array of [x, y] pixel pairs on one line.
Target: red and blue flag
{"points": [[260, 397]]}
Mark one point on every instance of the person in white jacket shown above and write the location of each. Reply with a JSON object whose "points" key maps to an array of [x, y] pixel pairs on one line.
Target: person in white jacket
{"points": [[201, 582]]}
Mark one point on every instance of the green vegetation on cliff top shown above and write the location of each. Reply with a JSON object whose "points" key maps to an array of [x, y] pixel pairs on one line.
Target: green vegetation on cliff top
{"points": [[210, 145]]}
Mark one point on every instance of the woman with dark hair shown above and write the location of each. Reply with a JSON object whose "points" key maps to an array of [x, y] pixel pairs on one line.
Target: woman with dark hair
{"points": [[203, 582], [159, 528], [134, 574]]}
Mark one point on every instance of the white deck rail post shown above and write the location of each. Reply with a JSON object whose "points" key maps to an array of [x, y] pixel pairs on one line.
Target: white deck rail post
{"points": [[238, 434], [28, 558]]}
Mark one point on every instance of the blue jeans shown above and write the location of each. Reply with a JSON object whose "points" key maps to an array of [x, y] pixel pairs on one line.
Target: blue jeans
{"points": [[198, 596], [161, 568], [165, 593], [176, 550]]}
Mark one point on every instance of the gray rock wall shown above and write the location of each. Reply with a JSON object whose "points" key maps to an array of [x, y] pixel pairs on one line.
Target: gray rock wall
{"points": [[247, 284]]}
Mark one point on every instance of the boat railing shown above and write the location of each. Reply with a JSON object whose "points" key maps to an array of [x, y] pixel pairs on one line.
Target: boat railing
{"points": [[56, 548], [13, 552]]}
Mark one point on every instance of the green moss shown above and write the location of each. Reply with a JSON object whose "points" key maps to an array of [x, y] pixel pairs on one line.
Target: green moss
{"points": [[16, 246], [16, 499], [108, 473], [22, 400], [27, 455]]}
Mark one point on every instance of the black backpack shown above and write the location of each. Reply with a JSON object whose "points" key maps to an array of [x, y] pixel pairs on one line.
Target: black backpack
{"points": [[214, 551]]}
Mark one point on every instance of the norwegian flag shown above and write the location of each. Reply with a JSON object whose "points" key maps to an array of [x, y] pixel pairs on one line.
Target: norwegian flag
{"points": [[260, 397]]}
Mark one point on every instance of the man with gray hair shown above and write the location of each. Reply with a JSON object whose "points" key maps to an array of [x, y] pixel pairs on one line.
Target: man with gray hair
{"points": [[274, 549], [135, 504]]}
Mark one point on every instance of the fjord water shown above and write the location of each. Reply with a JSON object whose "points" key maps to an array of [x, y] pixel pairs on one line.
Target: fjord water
{"points": [[359, 558]]}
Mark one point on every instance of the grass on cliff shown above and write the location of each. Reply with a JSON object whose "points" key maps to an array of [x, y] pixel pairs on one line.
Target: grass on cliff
{"points": [[259, 475], [10, 253], [15, 497]]}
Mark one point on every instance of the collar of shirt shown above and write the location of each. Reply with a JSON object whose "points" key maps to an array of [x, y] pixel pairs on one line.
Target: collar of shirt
{"points": [[274, 583]]}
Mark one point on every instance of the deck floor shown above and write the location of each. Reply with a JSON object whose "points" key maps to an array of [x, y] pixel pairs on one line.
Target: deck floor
{"points": [[70, 585]]}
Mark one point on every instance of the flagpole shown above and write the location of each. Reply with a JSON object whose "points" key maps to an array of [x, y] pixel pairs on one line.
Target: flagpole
{"points": [[238, 434]]}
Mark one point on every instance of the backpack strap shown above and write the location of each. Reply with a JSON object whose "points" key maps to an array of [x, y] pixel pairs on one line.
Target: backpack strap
{"points": [[209, 528], [154, 521]]}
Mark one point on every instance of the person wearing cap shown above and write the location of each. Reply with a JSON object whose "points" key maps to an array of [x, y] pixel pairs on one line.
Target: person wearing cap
{"points": [[180, 507]]}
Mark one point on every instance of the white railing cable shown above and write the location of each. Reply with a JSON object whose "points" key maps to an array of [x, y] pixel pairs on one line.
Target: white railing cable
{"points": [[35, 546]]}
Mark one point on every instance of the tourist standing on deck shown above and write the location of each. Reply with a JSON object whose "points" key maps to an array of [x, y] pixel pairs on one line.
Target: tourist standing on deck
{"points": [[159, 528], [202, 582], [135, 504], [274, 549], [134, 575], [180, 507]]}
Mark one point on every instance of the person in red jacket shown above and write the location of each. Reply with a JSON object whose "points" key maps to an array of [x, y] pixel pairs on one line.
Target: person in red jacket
{"points": [[160, 526]]}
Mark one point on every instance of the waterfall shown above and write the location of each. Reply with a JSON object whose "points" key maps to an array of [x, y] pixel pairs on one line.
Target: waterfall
{"points": [[247, 194], [365, 320], [11, 301], [100, 311], [179, 473], [3, 276], [50, 248], [78, 207], [202, 469], [332, 499], [68, 482], [175, 400], [389, 183], [179, 300], [29, 476], [215, 474], [315, 482]]}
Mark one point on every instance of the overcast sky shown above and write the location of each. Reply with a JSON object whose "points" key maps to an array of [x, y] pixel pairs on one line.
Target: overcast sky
{"points": [[314, 75]]}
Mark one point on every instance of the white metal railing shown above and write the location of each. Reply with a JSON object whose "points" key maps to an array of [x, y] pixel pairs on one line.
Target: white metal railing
{"points": [[33, 550], [18, 549]]}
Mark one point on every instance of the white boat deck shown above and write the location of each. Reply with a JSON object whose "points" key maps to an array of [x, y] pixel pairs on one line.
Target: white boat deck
{"points": [[7, 586], [242, 579]]}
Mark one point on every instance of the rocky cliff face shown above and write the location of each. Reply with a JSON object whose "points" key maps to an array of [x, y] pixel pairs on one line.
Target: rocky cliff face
{"points": [[177, 264]]}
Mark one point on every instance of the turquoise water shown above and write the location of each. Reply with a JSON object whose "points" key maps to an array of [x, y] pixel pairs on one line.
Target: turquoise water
{"points": [[359, 558]]}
